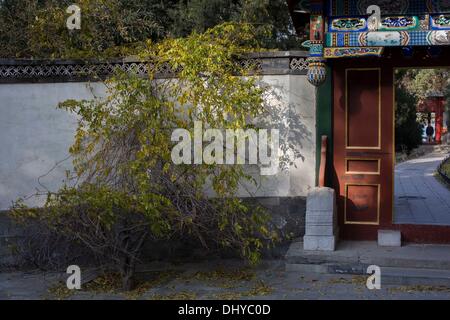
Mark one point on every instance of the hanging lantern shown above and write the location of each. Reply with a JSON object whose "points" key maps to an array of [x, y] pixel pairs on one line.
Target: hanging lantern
{"points": [[317, 72]]}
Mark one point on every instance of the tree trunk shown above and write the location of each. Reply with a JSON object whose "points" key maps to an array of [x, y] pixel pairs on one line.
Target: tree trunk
{"points": [[127, 277]]}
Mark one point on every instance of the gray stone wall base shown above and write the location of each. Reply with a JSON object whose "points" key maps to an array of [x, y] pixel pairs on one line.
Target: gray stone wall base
{"points": [[287, 214], [287, 218]]}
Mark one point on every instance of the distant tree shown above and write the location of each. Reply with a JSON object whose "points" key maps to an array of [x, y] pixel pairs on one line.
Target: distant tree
{"points": [[408, 131], [199, 15], [447, 105], [37, 28], [271, 19], [422, 82], [15, 17]]}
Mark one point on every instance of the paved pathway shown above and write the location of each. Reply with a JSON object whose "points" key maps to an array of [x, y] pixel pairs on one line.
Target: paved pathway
{"points": [[419, 197], [223, 280]]}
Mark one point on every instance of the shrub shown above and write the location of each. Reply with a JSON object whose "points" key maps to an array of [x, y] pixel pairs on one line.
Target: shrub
{"points": [[129, 189], [408, 131]]}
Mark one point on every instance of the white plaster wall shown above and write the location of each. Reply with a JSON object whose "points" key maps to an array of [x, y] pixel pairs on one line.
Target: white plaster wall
{"points": [[35, 137], [302, 98], [294, 101]]}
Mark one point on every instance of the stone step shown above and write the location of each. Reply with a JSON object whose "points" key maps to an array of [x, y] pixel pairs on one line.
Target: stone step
{"points": [[414, 276], [389, 275], [364, 253], [411, 264]]}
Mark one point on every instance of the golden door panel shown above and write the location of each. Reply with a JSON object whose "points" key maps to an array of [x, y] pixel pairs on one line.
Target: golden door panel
{"points": [[362, 166], [362, 203], [363, 108]]}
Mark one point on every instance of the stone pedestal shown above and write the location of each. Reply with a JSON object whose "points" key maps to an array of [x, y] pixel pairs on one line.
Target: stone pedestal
{"points": [[389, 238], [321, 231]]}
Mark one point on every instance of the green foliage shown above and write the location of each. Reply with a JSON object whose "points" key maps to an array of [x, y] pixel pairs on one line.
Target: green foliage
{"points": [[413, 87], [422, 82], [270, 18], [408, 131], [117, 28], [445, 168], [15, 17], [447, 106], [273, 16], [110, 28], [200, 15], [122, 152]]}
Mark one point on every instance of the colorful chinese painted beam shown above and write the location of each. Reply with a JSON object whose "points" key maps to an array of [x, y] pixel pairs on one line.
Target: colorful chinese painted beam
{"points": [[330, 53], [440, 22], [391, 23], [388, 7], [388, 38]]}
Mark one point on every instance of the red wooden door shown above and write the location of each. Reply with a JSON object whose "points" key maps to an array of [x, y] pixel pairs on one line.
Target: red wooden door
{"points": [[363, 148]]}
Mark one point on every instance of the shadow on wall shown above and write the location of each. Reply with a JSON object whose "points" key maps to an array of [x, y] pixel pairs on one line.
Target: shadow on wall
{"points": [[37, 136], [295, 121]]}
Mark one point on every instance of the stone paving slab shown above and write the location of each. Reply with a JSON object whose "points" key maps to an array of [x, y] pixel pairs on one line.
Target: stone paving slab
{"points": [[419, 198]]}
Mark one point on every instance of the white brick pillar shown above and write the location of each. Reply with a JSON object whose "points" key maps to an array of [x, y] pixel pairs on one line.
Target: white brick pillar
{"points": [[321, 230]]}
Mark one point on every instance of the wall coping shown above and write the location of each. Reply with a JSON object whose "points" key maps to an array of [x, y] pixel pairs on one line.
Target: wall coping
{"points": [[66, 70]]}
